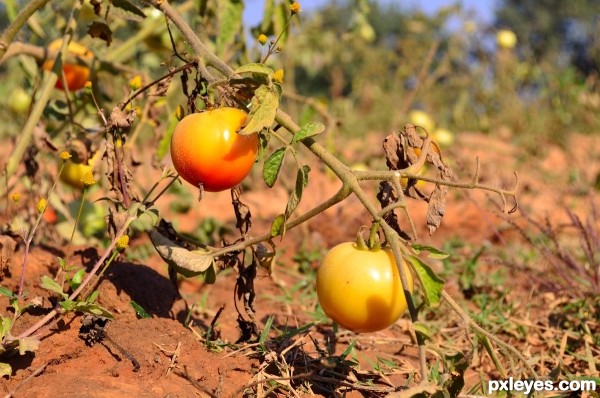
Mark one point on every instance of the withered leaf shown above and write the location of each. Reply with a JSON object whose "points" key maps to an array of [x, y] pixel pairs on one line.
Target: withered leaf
{"points": [[185, 262], [265, 257], [161, 88], [118, 171], [436, 208], [7, 250], [121, 119], [101, 31], [97, 4], [115, 221], [243, 215], [437, 199]]}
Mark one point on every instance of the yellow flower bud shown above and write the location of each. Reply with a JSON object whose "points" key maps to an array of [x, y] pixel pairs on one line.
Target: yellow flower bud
{"points": [[16, 197], [88, 84], [64, 155], [295, 8], [262, 38], [135, 83], [122, 242], [88, 179], [278, 76], [41, 206], [179, 112]]}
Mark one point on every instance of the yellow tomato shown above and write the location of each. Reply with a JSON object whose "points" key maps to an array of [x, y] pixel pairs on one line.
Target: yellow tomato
{"points": [[422, 119], [361, 289], [506, 39], [443, 136], [72, 174]]}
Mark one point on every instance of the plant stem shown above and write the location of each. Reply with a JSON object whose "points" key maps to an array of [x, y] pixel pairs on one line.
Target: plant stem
{"points": [[9, 33], [29, 237], [75, 225]]}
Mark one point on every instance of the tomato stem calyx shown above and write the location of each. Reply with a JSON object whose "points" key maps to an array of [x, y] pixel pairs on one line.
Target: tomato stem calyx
{"points": [[373, 243]]}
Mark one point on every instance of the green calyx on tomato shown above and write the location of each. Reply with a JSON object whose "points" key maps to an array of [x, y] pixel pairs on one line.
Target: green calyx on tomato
{"points": [[360, 287]]}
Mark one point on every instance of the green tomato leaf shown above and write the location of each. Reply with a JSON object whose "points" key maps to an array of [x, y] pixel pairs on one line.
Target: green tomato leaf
{"points": [[129, 7], [210, 276], [49, 284], [5, 292], [230, 23], [145, 221], [92, 297], [309, 130], [30, 344], [434, 253], [93, 309], [139, 310], [261, 69], [431, 283], [296, 196], [423, 332], [77, 279], [185, 262], [263, 143], [278, 226], [264, 335], [272, 166], [5, 369], [67, 304], [165, 143], [5, 326], [263, 110]]}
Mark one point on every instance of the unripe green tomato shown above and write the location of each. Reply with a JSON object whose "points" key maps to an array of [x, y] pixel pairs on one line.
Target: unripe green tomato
{"points": [[93, 223], [361, 289], [19, 101]]}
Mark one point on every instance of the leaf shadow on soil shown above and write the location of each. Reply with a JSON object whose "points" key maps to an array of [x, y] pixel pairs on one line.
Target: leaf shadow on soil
{"points": [[151, 290]]}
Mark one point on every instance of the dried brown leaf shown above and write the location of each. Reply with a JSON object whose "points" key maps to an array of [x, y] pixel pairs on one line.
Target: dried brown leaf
{"points": [[101, 31], [115, 221], [185, 262], [243, 215], [437, 199], [161, 88], [121, 119], [7, 250]]}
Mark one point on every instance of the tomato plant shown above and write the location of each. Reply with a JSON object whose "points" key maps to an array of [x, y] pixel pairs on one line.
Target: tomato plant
{"points": [[207, 150], [75, 69], [360, 288]]}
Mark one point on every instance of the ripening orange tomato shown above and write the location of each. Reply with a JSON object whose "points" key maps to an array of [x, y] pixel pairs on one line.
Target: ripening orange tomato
{"points": [[206, 149], [75, 67]]}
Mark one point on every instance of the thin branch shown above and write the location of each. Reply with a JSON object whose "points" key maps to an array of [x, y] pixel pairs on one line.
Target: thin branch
{"points": [[473, 325], [155, 82], [9, 33], [342, 194]]}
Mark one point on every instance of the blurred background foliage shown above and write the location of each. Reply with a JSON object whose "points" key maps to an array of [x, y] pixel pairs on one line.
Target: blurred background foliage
{"points": [[367, 63]]}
